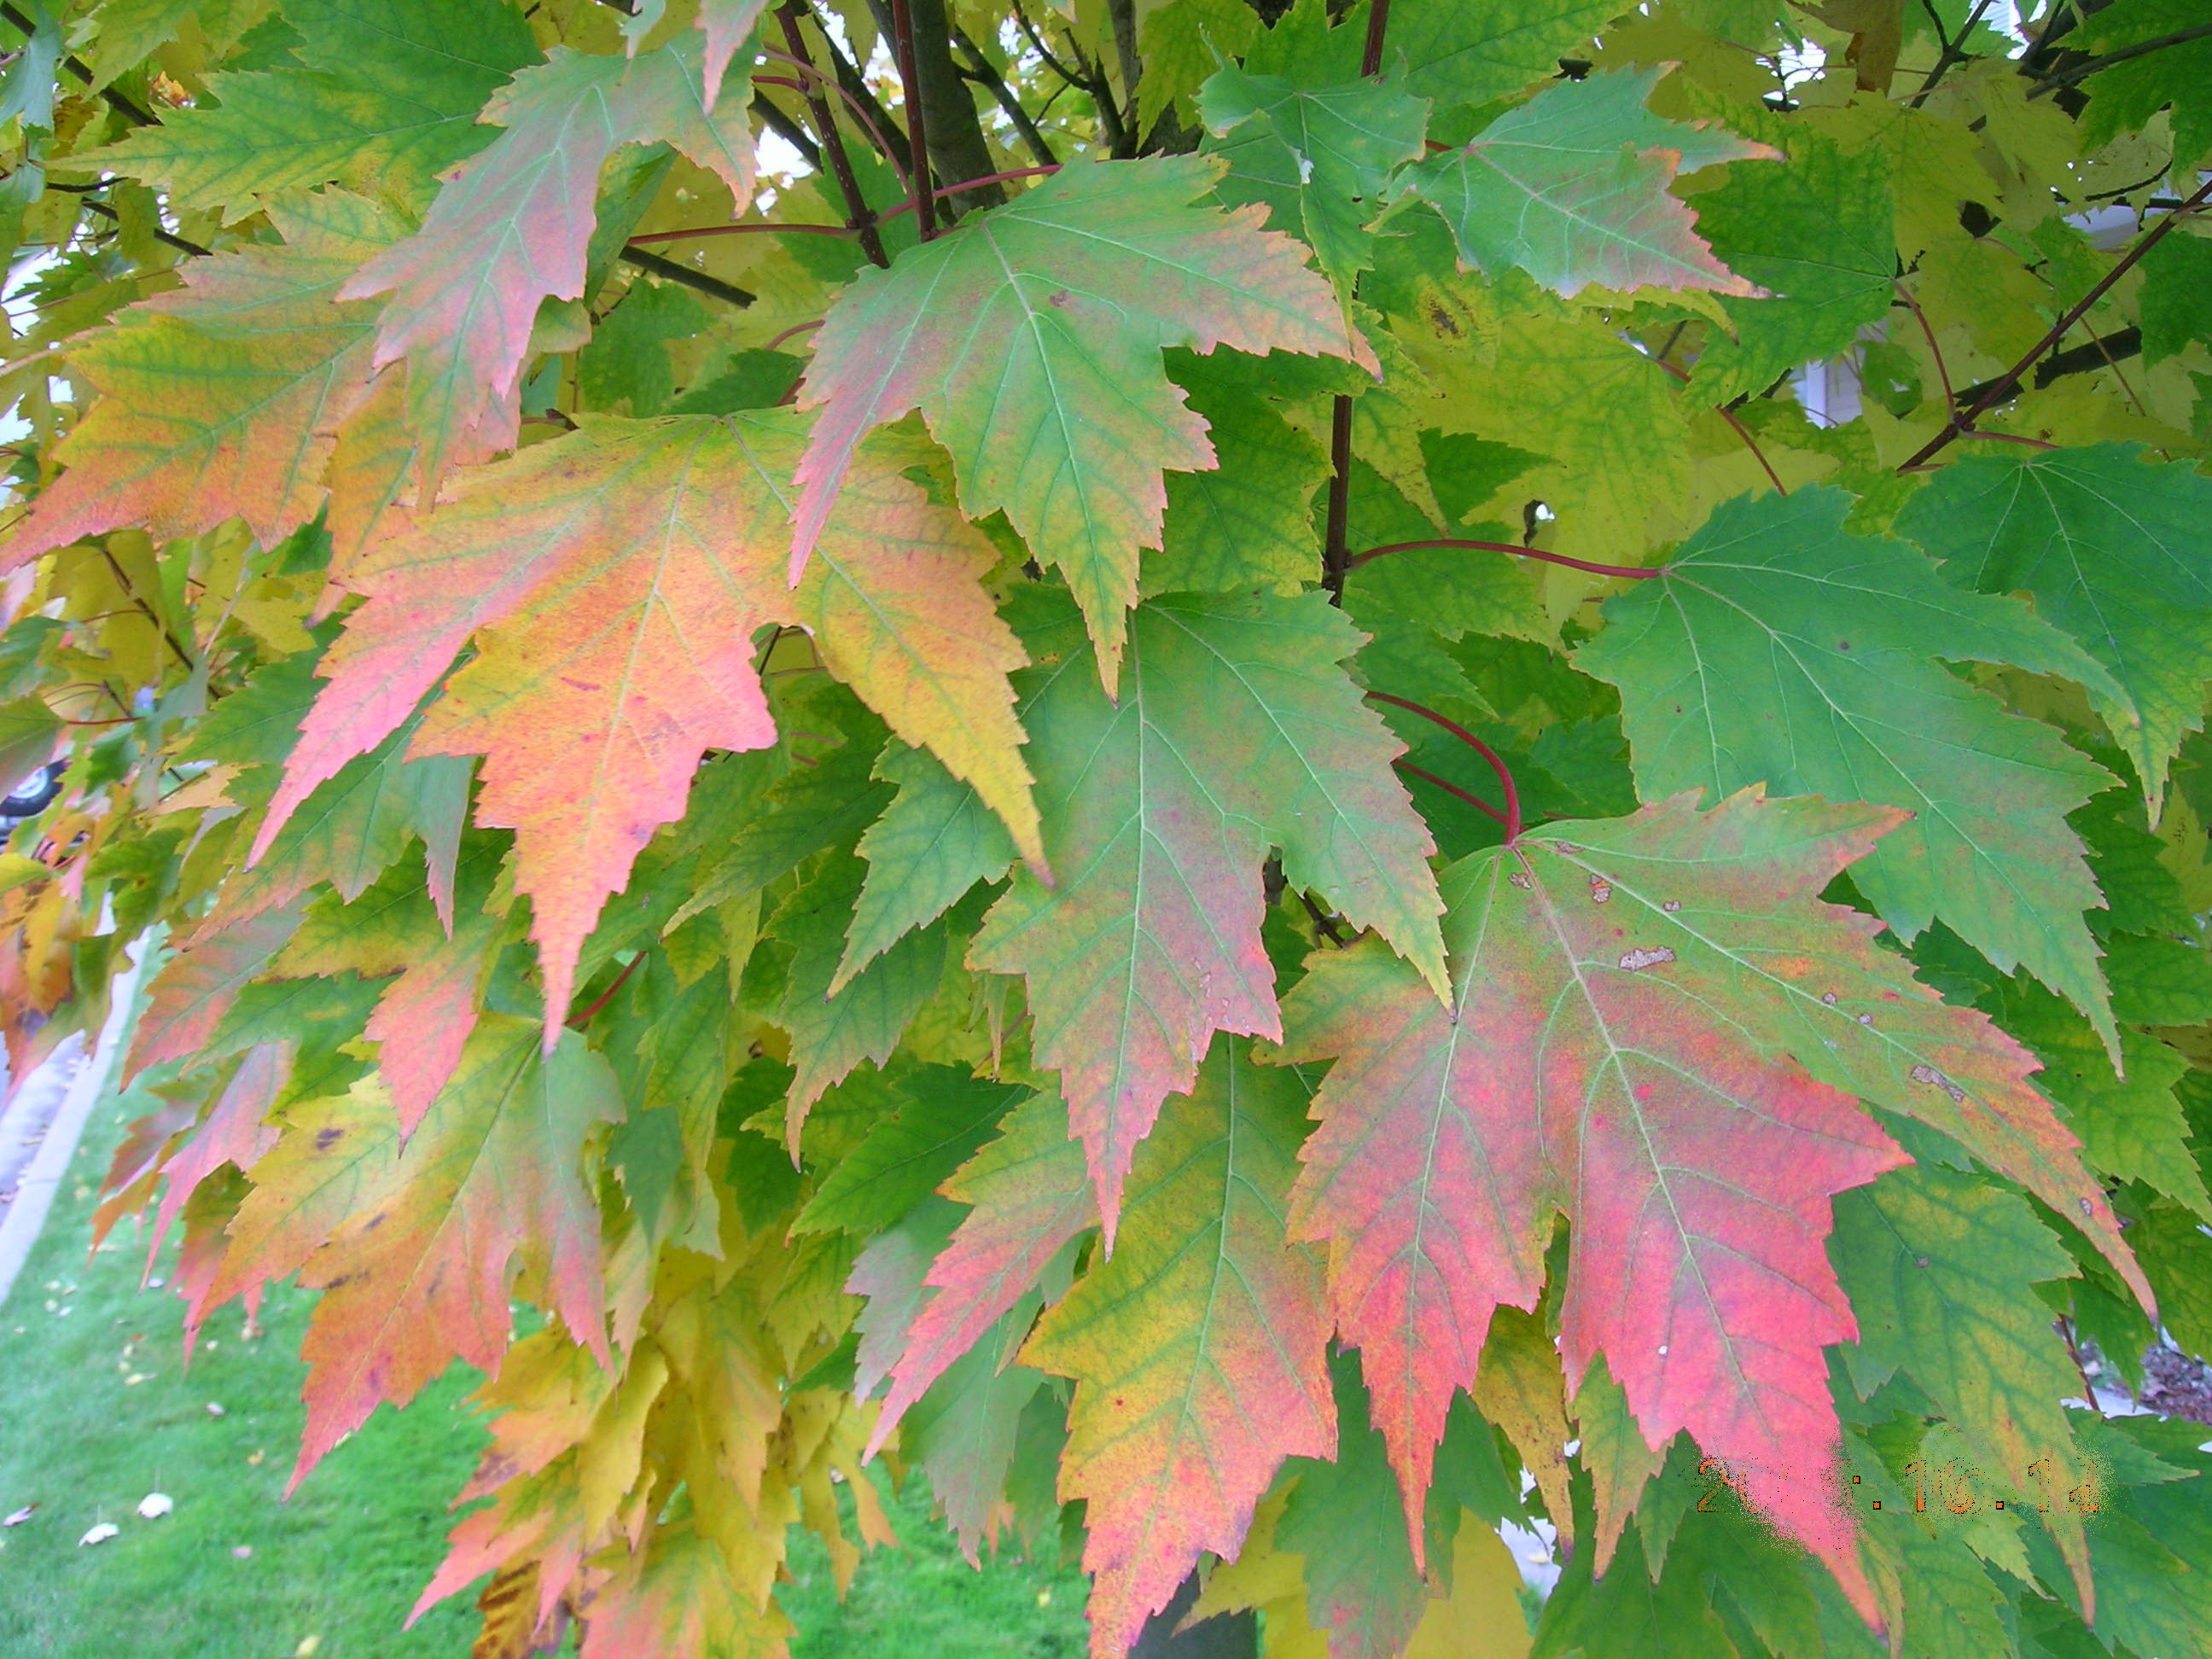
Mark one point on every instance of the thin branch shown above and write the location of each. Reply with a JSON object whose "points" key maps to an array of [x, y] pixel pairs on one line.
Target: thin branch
{"points": [[774, 119], [2066, 77], [1323, 923], [167, 633], [2009, 438], [182, 243], [1044, 53], [1378, 19], [1635, 573], [1953, 51], [1962, 420], [858, 217], [1335, 550], [674, 272], [1512, 818], [988, 73], [1450, 788], [860, 111], [917, 137], [126, 107]]}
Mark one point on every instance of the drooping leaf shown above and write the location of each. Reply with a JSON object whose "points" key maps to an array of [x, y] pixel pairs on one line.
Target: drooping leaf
{"points": [[512, 226], [1571, 187], [384, 98], [1051, 396], [614, 581], [934, 842], [1199, 1348], [416, 1248], [1671, 983], [221, 397], [2110, 548], [1735, 669], [1235, 730]]}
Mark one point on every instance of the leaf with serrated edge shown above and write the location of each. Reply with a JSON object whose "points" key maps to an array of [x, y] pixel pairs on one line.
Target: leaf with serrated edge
{"points": [[614, 578], [1028, 1195], [2112, 550], [1571, 187], [415, 1249], [1050, 393], [1737, 666], [1236, 730], [1638, 1004], [1200, 1349], [512, 226]]}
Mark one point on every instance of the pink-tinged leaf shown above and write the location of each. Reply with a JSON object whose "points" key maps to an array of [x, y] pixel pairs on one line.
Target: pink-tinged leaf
{"points": [[425, 1017], [726, 23], [1029, 1196], [234, 1132], [1200, 1348], [682, 1596], [415, 1249], [192, 993], [220, 400], [1030, 339], [613, 580], [512, 228], [540, 1517], [1620, 1048], [1236, 731], [1572, 188]]}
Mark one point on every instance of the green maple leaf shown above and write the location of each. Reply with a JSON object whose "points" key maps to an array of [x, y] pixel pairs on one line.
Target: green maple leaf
{"points": [[1050, 393], [1199, 1349], [1819, 235], [626, 360], [2177, 296], [1456, 56], [934, 842], [1249, 520], [513, 227], [2110, 548], [1236, 731], [2128, 94], [1779, 649], [385, 99], [1318, 158], [1939, 1266], [1571, 188]]}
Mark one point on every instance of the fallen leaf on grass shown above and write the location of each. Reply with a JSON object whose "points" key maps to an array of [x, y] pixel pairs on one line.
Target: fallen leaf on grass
{"points": [[155, 1504], [99, 1535]]}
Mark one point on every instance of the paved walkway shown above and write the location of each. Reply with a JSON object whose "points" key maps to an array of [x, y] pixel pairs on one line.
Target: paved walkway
{"points": [[40, 1126]]}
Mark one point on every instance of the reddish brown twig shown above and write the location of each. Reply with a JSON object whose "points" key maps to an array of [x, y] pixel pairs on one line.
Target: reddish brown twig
{"points": [[1512, 817], [1637, 572]]}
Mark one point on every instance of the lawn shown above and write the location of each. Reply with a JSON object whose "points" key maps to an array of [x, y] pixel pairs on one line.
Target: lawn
{"points": [[97, 1410]]}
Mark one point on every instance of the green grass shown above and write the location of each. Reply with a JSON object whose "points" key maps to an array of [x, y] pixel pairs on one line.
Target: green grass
{"points": [[342, 1561]]}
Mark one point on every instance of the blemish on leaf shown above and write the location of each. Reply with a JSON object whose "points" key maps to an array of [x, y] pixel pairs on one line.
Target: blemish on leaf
{"points": [[1522, 879], [1670, 906], [1929, 1074], [1600, 890], [1637, 961]]}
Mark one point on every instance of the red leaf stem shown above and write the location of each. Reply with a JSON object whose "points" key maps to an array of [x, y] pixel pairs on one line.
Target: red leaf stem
{"points": [[583, 1017], [973, 184], [1942, 371], [917, 137], [740, 230], [1636, 573], [1449, 787], [1512, 815], [1735, 426], [867, 121], [2010, 438], [796, 328]]}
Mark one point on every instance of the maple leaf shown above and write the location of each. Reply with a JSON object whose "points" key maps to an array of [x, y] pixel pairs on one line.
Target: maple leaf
{"points": [[1318, 158], [613, 580], [1028, 1196], [221, 397], [1571, 187], [680, 1597], [1236, 730], [513, 227], [189, 996], [1457, 56], [1865, 711], [2110, 548], [1199, 1349], [1050, 396], [384, 97], [415, 1249], [933, 843], [1656, 1030], [28, 733]]}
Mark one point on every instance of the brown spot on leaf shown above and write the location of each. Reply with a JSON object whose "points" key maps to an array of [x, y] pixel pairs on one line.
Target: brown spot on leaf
{"points": [[1929, 1075]]}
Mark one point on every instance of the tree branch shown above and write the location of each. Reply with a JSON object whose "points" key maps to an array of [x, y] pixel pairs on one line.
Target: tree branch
{"points": [[698, 280], [987, 72], [2082, 71], [858, 214]]}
